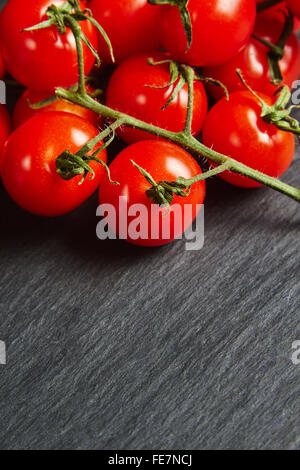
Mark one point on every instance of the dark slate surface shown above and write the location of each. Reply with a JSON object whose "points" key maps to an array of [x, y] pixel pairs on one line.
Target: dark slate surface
{"points": [[115, 347]]}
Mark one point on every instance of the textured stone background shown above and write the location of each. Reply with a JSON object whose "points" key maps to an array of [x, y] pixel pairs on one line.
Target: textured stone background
{"points": [[115, 347]]}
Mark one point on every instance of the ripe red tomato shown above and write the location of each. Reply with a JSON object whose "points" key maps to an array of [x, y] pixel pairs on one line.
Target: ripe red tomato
{"points": [[2, 67], [294, 6], [131, 26], [236, 129], [143, 102], [5, 128], [41, 59], [277, 12], [253, 62], [23, 111], [28, 167], [220, 29], [164, 161]]}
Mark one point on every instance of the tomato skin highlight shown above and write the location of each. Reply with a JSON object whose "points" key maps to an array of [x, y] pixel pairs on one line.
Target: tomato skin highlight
{"points": [[28, 168], [235, 128], [23, 111], [164, 161], [41, 59], [128, 91], [253, 62], [220, 30], [131, 26]]}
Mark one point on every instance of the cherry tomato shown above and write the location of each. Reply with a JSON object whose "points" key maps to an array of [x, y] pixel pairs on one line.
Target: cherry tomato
{"points": [[5, 128], [253, 62], [236, 129], [28, 167], [294, 6], [277, 12], [41, 59], [220, 29], [164, 161], [2, 67], [143, 102], [23, 111], [131, 26]]}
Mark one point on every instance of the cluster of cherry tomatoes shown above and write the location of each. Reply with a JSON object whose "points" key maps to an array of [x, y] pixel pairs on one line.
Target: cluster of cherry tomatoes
{"points": [[225, 37]]}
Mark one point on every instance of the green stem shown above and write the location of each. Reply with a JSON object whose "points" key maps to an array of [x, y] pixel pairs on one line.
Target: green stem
{"points": [[207, 174], [76, 30], [189, 75], [92, 143], [276, 51], [182, 139]]}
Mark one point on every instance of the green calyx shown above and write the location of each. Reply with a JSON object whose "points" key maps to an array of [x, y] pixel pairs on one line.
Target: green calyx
{"points": [[163, 192], [70, 15], [184, 14], [182, 74], [277, 114], [177, 74], [69, 165]]}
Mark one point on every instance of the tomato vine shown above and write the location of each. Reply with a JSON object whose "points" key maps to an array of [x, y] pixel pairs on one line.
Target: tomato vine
{"points": [[184, 138]]}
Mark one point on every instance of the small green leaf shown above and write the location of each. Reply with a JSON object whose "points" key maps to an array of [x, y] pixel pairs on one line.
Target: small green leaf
{"points": [[144, 173], [218, 83], [283, 98], [41, 104], [43, 25], [186, 21], [176, 90], [91, 48], [174, 73], [104, 35]]}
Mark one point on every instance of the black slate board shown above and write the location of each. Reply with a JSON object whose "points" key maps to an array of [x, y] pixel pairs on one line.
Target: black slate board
{"points": [[110, 346]]}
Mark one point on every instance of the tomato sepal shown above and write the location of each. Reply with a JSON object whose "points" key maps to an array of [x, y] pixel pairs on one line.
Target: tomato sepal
{"points": [[163, 192], [184, 15], [69, 165], [277, 114], [69, 14]]}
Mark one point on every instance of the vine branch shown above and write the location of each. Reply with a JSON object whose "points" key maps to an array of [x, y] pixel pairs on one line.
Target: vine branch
{"points": [[184, 138], [187, 141]]}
